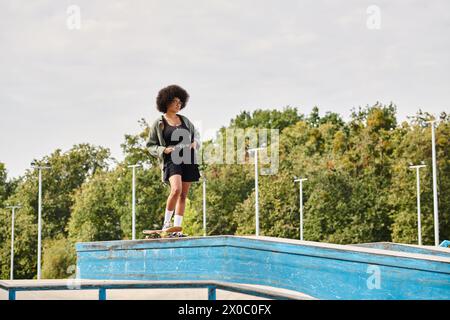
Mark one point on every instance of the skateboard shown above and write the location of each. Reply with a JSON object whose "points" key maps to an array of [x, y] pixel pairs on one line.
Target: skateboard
{"points": [[169, 233]]}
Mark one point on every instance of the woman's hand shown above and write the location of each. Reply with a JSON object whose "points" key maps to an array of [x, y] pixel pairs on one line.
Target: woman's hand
{"points": [[194, 145], [168, 150]]}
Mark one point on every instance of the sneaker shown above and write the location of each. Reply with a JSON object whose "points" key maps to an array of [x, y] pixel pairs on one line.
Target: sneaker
{"points": [[167, 226]]}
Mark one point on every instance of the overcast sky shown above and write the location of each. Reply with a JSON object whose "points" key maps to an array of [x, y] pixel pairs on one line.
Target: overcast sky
{"points": [[62, 86]]}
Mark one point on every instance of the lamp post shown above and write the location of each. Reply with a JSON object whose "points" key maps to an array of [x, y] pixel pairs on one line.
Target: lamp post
{"points": [[133, 214], [12, 239], [40, 168], [435, 195], [255, 150], [419, 225], [204, 204], [301, 180]]}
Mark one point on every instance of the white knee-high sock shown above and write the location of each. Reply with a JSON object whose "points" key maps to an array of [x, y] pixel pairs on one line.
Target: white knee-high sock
{"points": [[168, 215], [178, 220]]}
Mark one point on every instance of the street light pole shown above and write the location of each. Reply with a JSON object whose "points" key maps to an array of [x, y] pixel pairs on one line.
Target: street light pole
{"points": [[255, 150], [300, 180], [40, 168], [204, 204], [12, 240], [419, 225], [133, 214], [435, 195]]}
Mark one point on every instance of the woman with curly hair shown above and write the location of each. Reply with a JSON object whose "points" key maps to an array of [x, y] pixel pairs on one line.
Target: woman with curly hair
{"points": [[173, 140]]}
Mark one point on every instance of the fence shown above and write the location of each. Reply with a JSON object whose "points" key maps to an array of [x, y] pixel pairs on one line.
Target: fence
{"points": [[14, 286]]}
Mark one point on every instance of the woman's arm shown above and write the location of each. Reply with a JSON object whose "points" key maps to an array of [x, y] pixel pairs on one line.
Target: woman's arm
{"points": [[197, 138], [153, 143], [196, 135]]}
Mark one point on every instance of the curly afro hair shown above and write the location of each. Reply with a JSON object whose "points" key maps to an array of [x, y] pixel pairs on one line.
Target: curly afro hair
{"points": [[167, 94]]}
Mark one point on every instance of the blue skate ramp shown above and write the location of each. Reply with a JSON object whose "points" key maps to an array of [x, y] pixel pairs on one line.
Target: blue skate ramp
{"points": [[320, 270]]}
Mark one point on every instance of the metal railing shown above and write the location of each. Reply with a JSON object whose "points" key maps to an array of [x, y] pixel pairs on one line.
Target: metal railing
{"points": [[15, 286]]}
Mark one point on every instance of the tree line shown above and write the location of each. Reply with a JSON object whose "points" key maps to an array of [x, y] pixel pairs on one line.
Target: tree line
{"points": [[359, 189]]}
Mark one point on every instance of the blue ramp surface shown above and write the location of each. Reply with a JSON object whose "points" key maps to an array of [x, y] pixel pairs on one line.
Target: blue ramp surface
{"points": [[321, 270]]}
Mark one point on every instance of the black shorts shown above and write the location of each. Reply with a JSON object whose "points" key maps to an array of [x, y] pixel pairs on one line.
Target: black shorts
{"points": [[188, 172]]}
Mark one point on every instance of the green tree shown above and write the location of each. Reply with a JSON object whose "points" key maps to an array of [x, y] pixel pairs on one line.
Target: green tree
{"points": [[413, 146], [59, 259], [3, 183], [227, 186], [271, 119], [69, 170]]}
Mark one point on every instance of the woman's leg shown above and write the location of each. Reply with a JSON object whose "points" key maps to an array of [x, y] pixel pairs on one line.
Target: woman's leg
{"points": [[175, 191], [181, 203]]}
